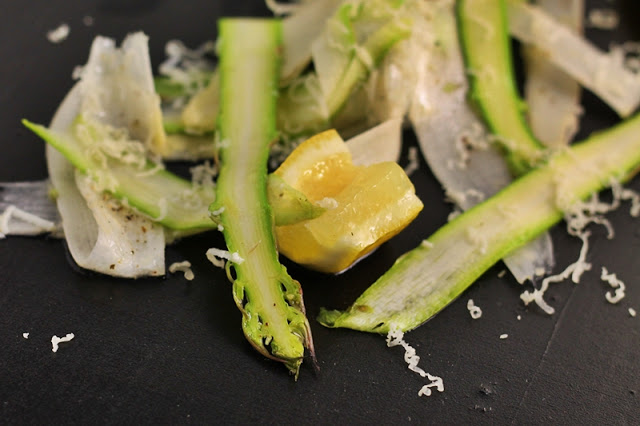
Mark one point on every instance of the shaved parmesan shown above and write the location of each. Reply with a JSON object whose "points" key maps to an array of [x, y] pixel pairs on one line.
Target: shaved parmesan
{"points": [[396, 338], [185, 267], [217, 257], [603, 19], [578, 217], [618, 294], [55, 341], [474, 310], [504, 336], [34, 224], [59, 34], [25, 335], [632, 312], [413, 163]]}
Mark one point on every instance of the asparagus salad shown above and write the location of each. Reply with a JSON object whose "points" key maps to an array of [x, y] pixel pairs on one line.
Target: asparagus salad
{"points": [[292, 126]]}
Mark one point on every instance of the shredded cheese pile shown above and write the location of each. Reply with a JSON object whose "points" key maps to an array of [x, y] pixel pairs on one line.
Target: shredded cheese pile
{"points": [[578, 217]]}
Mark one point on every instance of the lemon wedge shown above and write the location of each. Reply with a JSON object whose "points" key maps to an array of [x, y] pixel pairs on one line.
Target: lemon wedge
{"points": [[365, 205]]}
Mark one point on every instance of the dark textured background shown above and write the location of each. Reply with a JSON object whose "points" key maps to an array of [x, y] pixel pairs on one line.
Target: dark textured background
{"points": [[171, 351]]}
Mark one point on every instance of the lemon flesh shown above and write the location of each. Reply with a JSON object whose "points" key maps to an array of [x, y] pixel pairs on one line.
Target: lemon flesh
{"points": [[366, 206]]}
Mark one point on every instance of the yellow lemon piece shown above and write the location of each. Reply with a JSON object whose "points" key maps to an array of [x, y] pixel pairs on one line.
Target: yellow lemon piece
{"points": [[366, 206]]}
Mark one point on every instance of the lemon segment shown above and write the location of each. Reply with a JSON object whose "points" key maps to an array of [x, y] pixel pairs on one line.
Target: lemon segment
{"points": [[366, 206]]}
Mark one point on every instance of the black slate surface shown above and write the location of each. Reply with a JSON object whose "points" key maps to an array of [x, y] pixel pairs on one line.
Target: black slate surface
{"points": [[170, 351]]}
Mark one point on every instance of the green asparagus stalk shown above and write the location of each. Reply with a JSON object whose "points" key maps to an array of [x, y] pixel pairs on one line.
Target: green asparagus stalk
{"points": [[486, 48], [273, 314]]}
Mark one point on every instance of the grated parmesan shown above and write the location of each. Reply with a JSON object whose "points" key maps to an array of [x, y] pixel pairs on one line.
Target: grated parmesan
{"points": [[55, 341], [38, 224], [603, 19], [327, 203], [396, 338], [504, 336], [203, 175], [218, 212], [58, 34], [632, 312], [618, 286], [474, 310], [217, 257], [414, 163], [25, 335], [578, 216], [185, 267]]}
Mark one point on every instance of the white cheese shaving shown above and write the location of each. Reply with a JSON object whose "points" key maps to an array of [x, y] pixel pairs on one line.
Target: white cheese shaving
{"points": [[474, 310], [618, 294], [12, 212], [280, 9], [519, 317], [396, 338], [25, 335], [185, 267], [414, 163], [503, 336], [603, 19], [578, 217], [55, 341], [58, 34], [217, 257], [186, 66], [632, 312], [574, 270], [327, 203], [426, 244], [218, 212], [204, 174]]}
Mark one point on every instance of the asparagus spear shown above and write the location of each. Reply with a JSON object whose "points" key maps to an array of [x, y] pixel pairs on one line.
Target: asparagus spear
{"points": [[273, 314]]}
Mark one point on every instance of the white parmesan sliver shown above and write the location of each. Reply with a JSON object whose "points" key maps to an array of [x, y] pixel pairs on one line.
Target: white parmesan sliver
{"points": [[474, 310], [618, 293], [414, 163], [25, 335], [503, 336], [217, 257], [396, 338], [55, 341], [185, 267], [632, 312], [58, 34], [327, 203], [603, 19]]}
